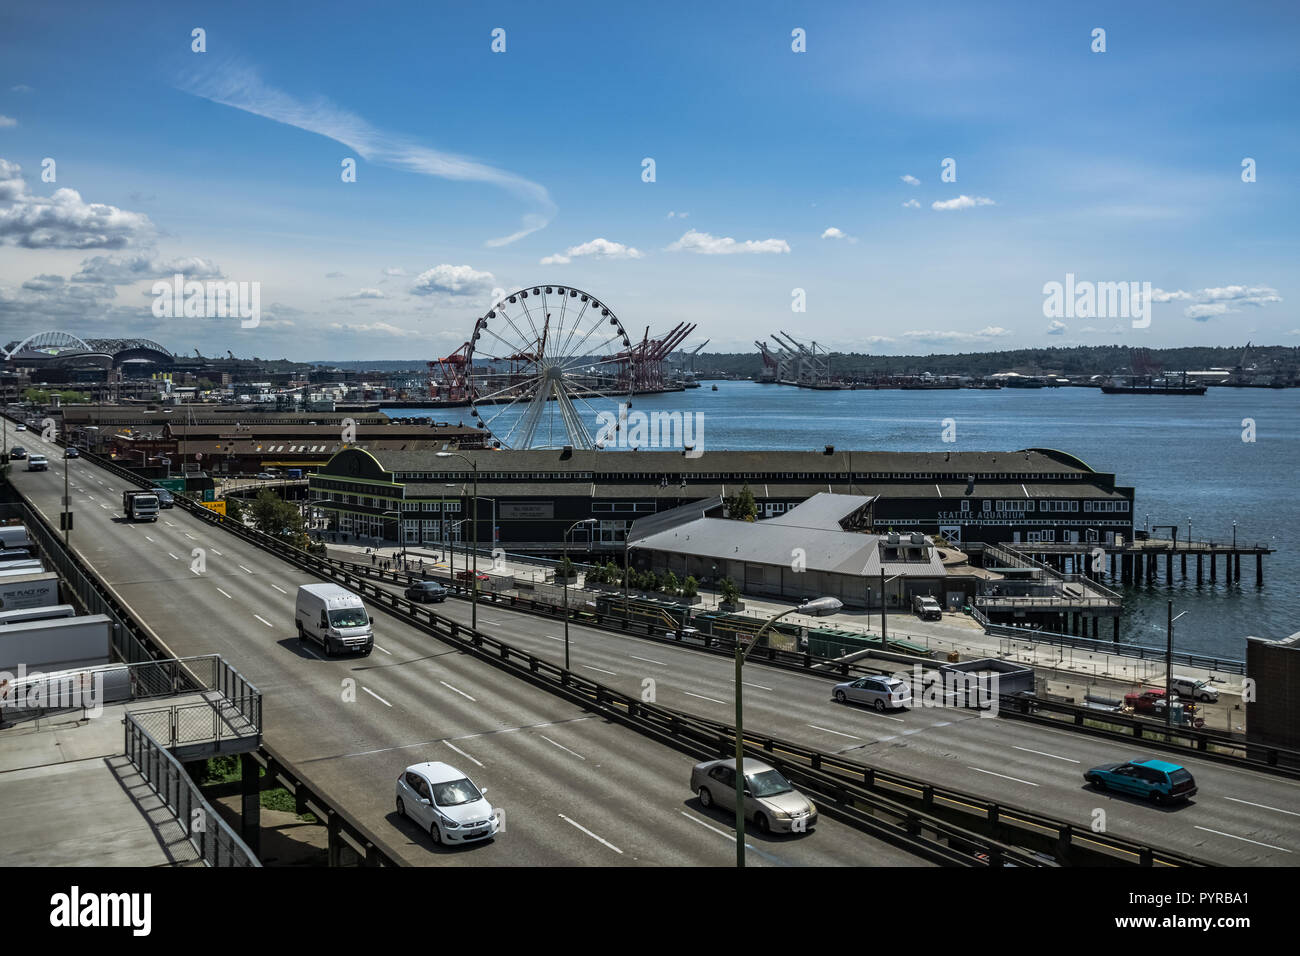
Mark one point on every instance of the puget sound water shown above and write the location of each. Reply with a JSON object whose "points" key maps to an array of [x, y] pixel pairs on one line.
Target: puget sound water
{"points": [[1184, 455]]}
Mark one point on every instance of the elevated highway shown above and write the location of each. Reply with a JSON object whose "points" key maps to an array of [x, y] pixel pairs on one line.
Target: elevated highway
{"points": [[576, 790]]}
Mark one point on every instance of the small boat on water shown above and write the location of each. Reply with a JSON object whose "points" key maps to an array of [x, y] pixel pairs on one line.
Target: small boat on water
{"points": [[1152, 387], [715, 388]]}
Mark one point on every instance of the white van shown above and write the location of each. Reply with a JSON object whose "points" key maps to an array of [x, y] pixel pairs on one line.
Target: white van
{"points": [[335, 618]]}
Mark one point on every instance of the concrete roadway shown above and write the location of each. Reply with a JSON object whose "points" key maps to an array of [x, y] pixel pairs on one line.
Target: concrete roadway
{"points": [[575, 790], [1239, 817]]}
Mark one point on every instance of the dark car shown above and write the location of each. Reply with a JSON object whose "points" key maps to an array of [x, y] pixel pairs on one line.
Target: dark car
{"points": [[1154, 780], [425, 592], [18, 453], [71, 452], [165, 499]]}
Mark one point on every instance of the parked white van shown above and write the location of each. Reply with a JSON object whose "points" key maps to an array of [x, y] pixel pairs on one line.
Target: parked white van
{"points": [[335, 618]]}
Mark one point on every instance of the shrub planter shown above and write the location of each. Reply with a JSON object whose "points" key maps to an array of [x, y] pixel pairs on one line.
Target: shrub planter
{"points": [[731, 607]]}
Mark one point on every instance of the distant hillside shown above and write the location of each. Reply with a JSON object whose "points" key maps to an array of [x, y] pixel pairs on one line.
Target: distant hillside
{"points": [[1077, 360]]}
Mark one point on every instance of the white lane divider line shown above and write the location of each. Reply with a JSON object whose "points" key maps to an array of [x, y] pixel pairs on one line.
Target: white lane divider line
{"points": [[647, 660], [702, 697], [263, 620], [1003, 776], [190, 536], [149, 537], [376, 696], [227, 595], [1243, 839], [1263, 806], [562, 747], [244, 569], [730, 835], [827, 730], [551, 638], [1042, 753], [590, 834], [172, 556], [461, 752], [215, 551], [593, 667], [280, 589], [759, 686], [461, 692], [388, 652]]}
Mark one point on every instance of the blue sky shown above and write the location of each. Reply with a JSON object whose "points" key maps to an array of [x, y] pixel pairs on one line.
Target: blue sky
{"points": [[473, 167]]}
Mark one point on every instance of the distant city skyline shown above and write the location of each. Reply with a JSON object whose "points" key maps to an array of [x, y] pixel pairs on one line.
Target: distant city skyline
{"points": [[950, 180]]}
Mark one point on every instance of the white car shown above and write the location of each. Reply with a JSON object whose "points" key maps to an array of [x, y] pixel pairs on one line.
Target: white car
{"points": [[20, 427], [883, 693], [445, 802]]}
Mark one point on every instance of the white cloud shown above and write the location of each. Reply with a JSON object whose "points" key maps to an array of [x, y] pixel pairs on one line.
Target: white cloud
{"points": [[63, 220], [989, 332], [242, 88], [599, 248], [1160, 295], [677, 215], [7, 121], [395, 271], [370, 328], [21, 88], [1057, 327], [834, 233], [455, 280], [910, 180], [911, 204], [1210, 302], [961, 202], [1207, 310], [120, 270], [365, 294], [705, 244]]}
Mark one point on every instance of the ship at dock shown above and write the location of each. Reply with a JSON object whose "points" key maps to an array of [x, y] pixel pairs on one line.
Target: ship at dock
{"points": [[1148, 380]]}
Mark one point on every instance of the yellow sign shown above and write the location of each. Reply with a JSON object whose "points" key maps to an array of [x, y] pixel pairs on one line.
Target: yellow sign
{"points": [[218, 506]]}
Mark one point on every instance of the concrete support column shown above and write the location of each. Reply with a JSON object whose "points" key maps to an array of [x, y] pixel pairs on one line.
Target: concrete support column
{"points": [[1259, 570], [1095, 625], [1213, 568], [1115, 622], [1198, 570], [1236, 560], [1169, 568], [1184, 560], [250, 798]]}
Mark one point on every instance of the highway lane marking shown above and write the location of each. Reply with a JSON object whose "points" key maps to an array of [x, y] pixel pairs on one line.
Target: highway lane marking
{"points": [[562, 747], [376, 696], [242, 568], [378, 648], [759, 686], [215, 551], [461, 752], [105, 507], [168, 523], [148, 537], [1243, 839], [702, 697], [190, 536], [172, 556], [280, 589], [593, 667], [442, 740], [227, 595], [461, 692], [647, 660], [1263, 806], [550, 638], [590, 834], [835, 732], [1003, 776], [709, 826], [1043, 753], [263, 620]]}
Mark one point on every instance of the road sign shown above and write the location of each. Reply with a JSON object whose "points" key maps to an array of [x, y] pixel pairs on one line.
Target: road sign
{"points": [[171, 484], [218, 506]]}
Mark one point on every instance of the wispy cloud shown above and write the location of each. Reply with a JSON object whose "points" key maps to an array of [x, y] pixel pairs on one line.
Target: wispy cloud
{"points": [[911, 204], [961, 202], [834, 233], [6, 121], [242, 88], [910, 180], [1207, 303], [598, 248], [705, 244]]}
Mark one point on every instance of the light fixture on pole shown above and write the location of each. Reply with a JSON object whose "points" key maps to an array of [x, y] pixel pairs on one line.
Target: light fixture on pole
{"points": [[474, 518], [1169, 665], [742, 652], [884, 605], [564, 566]]}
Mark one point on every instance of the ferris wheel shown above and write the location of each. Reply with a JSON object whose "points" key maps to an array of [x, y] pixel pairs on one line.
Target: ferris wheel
{"points": [[543, 364]]}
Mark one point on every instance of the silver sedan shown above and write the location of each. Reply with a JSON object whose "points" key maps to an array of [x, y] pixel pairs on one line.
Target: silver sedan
{"points": [[882, 693], [770, 801]]}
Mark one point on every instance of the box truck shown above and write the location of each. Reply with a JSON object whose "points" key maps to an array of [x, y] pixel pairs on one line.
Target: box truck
{"points": [[39, 589], [139, 505], [61, 642], [14, 536], [335, 618], [18, 615]]}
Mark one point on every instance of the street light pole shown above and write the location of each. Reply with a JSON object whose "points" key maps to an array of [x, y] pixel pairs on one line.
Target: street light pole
{"points": [[1169, 665], [742, 652], [1234, 536], [474, 575], [565, 552]]}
